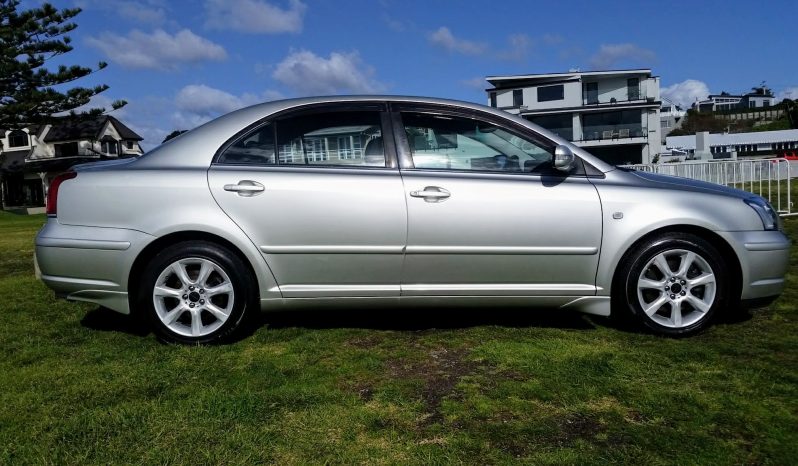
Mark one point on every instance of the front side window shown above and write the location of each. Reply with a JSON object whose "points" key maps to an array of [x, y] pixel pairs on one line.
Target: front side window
{"points": [[459, 143]]}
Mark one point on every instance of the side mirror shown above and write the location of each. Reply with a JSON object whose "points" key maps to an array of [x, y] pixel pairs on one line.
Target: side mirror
{"points": [[564, 159]]}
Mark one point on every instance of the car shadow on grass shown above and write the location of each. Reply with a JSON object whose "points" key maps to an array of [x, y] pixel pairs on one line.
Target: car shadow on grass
{"points": [[106, 320], [442, 318]]}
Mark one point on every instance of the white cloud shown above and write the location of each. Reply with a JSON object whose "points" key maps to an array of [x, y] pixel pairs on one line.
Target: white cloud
{"points": [[394, 24], [686, 92], [197, 103], [478, 83], [254, 16], [157, 50], [150, 12], [788, 93], [552, 39], [307, 73], [444, 38], [610, 55], [518, 46]]}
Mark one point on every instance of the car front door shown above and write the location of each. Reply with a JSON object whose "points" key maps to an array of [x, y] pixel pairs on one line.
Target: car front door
{"points": [[487, 213], [320, 194]]}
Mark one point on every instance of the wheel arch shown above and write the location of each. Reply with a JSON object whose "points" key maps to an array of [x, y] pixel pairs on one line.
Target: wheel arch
{"points": [[152, 249], [735, 272]]}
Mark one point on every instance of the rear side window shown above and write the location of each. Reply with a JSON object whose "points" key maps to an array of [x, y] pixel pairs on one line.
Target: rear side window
{"points": [[255, 148], [352, 138]]}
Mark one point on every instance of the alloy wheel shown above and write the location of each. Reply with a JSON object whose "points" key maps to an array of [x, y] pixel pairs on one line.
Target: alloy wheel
{"points": [[676, 288], [193, 297]]}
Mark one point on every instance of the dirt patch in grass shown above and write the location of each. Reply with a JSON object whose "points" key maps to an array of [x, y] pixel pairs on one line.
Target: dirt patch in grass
{"points": [[440, 372], [365, 342], [579, 426]]}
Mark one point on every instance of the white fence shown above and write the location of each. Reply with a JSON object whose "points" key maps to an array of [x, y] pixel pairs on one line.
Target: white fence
{"points": [[769, 178]]}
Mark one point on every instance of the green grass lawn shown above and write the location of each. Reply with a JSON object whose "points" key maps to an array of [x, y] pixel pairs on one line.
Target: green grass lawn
{"points": [[83, 385]]}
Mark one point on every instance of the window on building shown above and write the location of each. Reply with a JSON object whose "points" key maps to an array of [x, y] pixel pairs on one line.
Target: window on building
{"points": [[751, 104], [518, 97], [18, 138], [766, 103], [66, 149], [633, 88], [591, 93], [129, 144], [562, 125], [109, 147], [549, 93], [493, 99]]}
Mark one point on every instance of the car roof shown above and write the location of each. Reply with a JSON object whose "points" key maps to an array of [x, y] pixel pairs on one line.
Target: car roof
{"points": [[198, 146]]}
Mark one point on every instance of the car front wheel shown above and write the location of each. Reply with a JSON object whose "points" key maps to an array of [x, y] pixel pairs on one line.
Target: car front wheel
{"points": [[196, 293], [674, 284]]}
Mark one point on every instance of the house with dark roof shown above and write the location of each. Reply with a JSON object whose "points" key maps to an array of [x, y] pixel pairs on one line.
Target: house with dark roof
{"points": [[31, 157], [759, 97]]}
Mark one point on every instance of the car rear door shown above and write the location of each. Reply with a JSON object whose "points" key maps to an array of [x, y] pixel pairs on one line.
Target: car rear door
{"points": [[319, 192], [488, 215]]}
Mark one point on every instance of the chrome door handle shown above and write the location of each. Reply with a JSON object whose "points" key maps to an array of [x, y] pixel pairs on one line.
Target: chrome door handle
{"points": [[246, 188], [431, 194]]}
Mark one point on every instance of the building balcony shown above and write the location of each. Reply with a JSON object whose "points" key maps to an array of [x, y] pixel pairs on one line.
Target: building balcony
{"points": [[614, 133], [630, 95]]}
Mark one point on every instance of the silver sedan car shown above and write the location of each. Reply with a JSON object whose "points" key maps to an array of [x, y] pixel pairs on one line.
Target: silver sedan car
{"points": [[397, 201]]}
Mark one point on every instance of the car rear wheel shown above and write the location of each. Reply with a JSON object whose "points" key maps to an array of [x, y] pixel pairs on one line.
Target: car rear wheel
{"points": [[674, 284], [197, 293]]}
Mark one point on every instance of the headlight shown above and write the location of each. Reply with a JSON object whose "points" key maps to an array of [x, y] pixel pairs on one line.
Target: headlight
{"points": [[770, 218]]}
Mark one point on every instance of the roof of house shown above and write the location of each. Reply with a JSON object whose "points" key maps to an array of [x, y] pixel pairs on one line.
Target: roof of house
{"points": [[734, 139], [70, 129], [571, 74]]}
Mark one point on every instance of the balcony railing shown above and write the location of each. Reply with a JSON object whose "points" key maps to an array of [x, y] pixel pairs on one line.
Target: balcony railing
{"points": [[612, 132], [632, 94]]}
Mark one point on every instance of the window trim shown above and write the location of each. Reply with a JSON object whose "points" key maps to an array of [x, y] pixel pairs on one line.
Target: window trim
{"points": [[324, 107]]}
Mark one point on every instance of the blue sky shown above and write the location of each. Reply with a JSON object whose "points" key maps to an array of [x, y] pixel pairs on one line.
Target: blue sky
{"points": [[181, 63]]}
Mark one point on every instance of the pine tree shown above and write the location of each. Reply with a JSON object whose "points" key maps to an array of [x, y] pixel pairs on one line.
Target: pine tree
{"points": [[30, 93]]}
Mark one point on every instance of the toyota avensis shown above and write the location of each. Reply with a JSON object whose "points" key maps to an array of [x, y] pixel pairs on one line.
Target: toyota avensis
{"points": [[377, 201]]}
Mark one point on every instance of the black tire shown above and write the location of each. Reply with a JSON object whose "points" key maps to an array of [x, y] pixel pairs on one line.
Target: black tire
{"points": [[241, 303], [677, 294]]}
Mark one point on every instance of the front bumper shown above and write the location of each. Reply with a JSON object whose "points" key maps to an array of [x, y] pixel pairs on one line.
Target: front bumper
{"points": [[764, 258], [88, 263]]}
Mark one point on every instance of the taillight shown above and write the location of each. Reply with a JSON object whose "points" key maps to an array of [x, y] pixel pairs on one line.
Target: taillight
{"points": [[52, 193]]}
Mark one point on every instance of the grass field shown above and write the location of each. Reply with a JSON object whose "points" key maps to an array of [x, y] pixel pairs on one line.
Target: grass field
{"points": [[82, 385]]}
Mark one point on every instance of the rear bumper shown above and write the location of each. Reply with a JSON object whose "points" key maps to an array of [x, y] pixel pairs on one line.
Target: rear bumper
{"points": [[764, 258], [88, 263]]}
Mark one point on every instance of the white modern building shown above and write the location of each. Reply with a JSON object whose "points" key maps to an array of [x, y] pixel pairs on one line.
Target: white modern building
{"points": [[612, 114], [733, 145]]}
